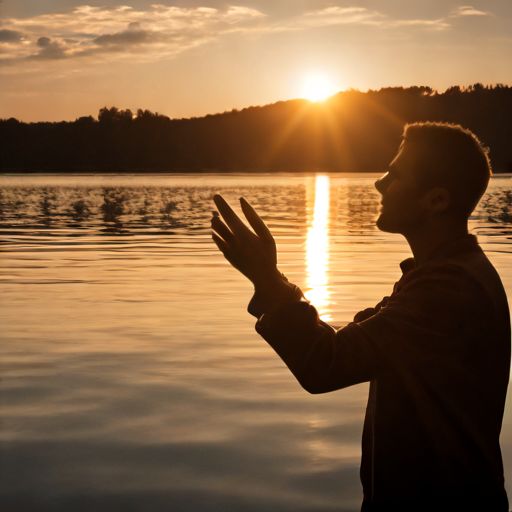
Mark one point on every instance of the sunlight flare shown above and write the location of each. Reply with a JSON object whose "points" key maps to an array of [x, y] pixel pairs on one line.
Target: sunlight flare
{"points": [[317, 250], [317, 88]]}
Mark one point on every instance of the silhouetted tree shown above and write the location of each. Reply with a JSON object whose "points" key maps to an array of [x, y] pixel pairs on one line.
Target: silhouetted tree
{"points": [[351, 131]]}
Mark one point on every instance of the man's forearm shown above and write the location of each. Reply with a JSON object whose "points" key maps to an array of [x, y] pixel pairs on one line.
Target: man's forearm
{"points": [[270, 291]]}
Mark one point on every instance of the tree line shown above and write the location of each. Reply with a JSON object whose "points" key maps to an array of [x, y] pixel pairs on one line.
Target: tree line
{"points": [[351, 131]]}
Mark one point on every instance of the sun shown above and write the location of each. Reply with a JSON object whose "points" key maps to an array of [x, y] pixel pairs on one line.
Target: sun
{"points": [[317, 88]]}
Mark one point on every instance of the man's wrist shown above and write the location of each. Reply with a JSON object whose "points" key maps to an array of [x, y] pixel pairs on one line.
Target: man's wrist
{"points": [[268, 279], [270, 292]]}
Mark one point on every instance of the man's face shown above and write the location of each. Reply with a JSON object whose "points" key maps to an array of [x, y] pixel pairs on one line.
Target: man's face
{"points": [[402, 208]]}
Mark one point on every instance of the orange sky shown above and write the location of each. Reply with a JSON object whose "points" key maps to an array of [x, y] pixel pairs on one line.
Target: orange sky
{"points": [[63, 59]]}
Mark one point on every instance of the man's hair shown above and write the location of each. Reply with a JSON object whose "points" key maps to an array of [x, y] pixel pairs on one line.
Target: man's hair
{"points": [[451, 157]]}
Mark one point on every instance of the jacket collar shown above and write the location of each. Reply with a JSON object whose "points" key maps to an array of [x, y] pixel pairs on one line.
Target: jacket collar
{"points": [[467, 243]]}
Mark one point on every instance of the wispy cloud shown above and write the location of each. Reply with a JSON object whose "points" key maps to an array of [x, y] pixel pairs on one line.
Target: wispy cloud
{"points": [[164, 31], [88, 31], [468, 10], [361, 16], [134, 34], [10, 36], [49, 50], [338, 16], [439, 24]]}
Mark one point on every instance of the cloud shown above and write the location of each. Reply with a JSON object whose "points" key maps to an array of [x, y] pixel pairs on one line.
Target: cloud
{"points": [[10, 36], [125, 38], [340, 16], [467, 10], [360, 16], [50, 50], [87, 31], [44, 42], [166, 31], [440, 24]]}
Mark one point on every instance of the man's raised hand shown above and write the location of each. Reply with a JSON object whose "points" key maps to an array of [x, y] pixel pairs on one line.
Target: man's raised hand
{"points": [[254, 254]]}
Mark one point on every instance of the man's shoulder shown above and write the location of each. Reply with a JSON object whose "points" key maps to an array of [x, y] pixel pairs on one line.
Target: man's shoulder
{"points": [[469, 268], [467, 283], [438, 283]]}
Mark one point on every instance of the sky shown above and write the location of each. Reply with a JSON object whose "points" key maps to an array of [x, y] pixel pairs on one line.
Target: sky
{"points": [[62, 59]]}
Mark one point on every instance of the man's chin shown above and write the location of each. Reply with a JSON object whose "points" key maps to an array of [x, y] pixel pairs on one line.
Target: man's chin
{"points": [[385, 225]]}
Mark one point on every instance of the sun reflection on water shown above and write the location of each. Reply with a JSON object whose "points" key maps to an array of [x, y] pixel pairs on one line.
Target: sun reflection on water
{"points": [[317, 253]]}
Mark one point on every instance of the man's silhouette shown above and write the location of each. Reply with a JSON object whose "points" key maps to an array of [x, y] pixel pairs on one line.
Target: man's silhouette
{"points": [[436, 351]]}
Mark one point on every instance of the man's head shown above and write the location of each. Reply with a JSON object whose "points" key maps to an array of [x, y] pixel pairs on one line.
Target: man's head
{"points": [[441, 170]]}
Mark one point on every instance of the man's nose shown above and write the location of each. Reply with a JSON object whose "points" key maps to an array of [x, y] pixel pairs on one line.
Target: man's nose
{"points": [[380, 185]]}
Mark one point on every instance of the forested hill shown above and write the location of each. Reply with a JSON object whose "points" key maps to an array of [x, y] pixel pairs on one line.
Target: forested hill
{"points": [[352, 131]]}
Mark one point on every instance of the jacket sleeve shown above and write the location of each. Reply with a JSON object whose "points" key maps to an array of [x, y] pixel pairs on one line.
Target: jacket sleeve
{"points": [[320, 357], [420, 320]]}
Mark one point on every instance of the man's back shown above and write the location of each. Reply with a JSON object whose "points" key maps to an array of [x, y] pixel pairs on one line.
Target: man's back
{"points": [[431, 435]]}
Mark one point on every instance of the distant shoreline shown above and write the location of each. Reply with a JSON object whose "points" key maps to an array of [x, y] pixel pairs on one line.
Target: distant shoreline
{"points": [[94, 171], [351, 131], [194, 170]]}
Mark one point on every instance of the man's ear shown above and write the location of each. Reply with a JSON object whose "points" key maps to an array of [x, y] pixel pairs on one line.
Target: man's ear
{"points": [[437, 200]]}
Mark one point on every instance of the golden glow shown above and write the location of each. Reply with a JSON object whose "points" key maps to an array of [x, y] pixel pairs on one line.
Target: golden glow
{"points": [[317, 88], [317, 250]]}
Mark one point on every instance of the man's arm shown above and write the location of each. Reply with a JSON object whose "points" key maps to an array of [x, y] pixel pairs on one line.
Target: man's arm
{"points": [[429, 322], [321, 358]]}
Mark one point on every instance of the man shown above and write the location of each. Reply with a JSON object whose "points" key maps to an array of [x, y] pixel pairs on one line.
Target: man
{"points": [[436, 351]]}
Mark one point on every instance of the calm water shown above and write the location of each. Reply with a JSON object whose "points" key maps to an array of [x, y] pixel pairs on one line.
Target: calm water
{"points": [[131, 375]]}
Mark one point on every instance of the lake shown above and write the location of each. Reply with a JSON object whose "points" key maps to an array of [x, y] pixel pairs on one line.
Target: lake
{"points": [[131, 375]]}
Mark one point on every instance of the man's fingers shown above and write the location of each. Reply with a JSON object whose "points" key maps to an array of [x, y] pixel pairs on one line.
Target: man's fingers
{"points": [[220, 244], [364, 315], [232, 219], [222, 229], [257, 223]]}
